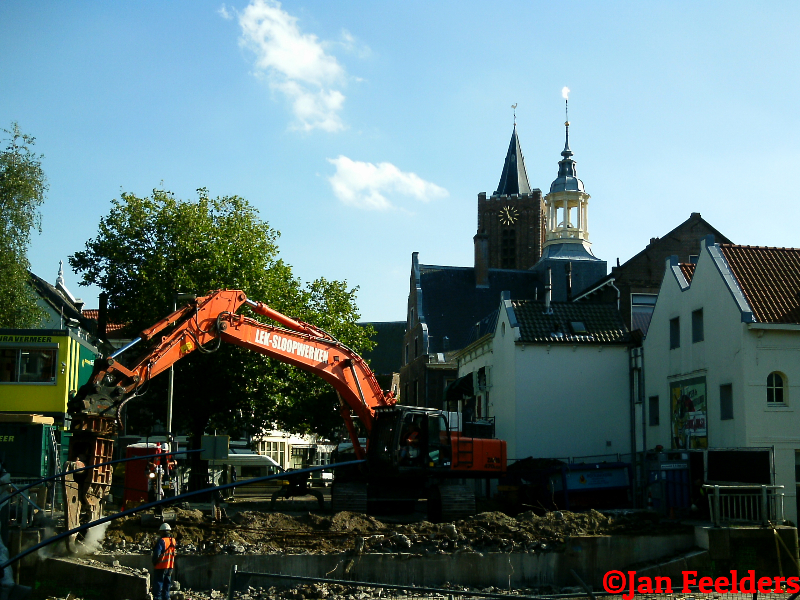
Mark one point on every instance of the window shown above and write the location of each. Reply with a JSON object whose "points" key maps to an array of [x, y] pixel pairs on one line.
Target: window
{"points": [[726, 402], [642, 306], [775, 388], [416, 347], [674, 333], [697, 326], [28, 365], [406, 353], [652, 407], [508, 249]]}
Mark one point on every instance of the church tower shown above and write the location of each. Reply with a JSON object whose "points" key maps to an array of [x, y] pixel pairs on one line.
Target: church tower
{"points": [[511, 221]]}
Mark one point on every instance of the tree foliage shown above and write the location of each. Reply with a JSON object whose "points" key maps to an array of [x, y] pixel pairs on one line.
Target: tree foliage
{"points": [[22, 189], [149, 248]]}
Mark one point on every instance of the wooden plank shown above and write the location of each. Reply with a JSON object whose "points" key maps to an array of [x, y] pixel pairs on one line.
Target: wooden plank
{"points": [[17, 418]]}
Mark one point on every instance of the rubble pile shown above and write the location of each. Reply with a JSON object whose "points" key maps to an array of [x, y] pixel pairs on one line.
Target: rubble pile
{"points": [[256, 532]]}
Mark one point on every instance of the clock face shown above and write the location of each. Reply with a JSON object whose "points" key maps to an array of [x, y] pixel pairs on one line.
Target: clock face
{"points": [[508, 215]]}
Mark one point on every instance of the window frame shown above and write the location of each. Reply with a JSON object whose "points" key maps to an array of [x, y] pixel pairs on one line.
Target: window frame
{"points": [[674, 333], [723, 409], [18, 375], [698, 326], [772, 389], [653, 416]]}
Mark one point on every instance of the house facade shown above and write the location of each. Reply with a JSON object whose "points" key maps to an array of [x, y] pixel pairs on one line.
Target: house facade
{"points": [[721, 367], [553, 377]]}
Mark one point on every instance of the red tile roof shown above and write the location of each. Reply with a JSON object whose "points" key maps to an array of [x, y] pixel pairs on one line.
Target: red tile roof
{"points": [[94, 313], [688, 271], [770, 280]]}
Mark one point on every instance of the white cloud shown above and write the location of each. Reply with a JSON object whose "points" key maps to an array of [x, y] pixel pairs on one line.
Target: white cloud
{"points": [[295, 64], [364, 185], [223, 12]]}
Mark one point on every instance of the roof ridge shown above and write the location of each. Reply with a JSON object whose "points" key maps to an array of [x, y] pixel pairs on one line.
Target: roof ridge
{"points": [[749, 247]]}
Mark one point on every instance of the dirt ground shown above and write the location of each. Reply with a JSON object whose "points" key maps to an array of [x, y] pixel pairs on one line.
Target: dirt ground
{"points": [[262, 532]]}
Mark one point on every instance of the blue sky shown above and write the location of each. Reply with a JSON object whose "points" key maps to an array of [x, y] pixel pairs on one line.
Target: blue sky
{"points": [[363, 131]]}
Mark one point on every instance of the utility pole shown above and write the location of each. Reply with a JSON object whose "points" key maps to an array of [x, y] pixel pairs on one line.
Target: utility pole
{"points": [[183, 298]]}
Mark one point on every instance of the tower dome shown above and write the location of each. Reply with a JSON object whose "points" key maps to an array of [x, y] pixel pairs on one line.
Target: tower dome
{"points": [[567, 180]]}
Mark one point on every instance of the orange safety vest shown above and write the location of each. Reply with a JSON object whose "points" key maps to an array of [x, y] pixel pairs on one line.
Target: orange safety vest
{"points": [[167, 559]]}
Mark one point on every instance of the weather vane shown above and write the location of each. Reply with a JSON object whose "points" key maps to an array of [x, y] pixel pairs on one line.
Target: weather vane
{"points": [[514, 106], [565, 95]]}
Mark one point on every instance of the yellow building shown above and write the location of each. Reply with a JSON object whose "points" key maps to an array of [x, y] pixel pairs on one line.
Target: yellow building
{"points": [[40, 368]]}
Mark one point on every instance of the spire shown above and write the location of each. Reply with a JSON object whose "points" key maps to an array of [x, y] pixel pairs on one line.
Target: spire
{"points": [[60, 279], [567, 179], [514, 179]]}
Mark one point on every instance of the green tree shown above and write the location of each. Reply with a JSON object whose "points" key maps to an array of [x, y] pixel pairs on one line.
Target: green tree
{"points": [[22, 190], [149, 248]]}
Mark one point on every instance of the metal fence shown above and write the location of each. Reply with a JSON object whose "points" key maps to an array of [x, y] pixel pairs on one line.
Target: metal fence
{"points": [[743, 504]]}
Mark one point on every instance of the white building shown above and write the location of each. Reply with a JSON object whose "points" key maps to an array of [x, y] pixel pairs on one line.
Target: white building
{"points": [[292, 451], [555, 378], [722, 363]]}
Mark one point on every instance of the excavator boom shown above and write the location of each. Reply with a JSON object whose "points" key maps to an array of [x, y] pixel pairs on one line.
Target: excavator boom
{"points": [[213, 319]]}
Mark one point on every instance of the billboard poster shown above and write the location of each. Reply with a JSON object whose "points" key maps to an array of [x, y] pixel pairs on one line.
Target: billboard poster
{"points": [[688, 404]]}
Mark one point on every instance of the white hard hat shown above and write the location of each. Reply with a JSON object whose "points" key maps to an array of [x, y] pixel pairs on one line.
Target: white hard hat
{"points": [[165, 527]]}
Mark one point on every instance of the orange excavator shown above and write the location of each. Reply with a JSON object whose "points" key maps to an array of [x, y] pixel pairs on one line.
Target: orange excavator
{"points": [[410, 452]]}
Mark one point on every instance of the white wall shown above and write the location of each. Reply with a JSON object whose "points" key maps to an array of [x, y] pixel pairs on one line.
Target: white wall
{"points": [[733, 353], [555, 401]]}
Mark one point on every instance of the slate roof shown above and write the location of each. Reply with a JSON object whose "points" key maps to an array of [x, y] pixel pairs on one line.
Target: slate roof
{"points": [[570, 323], [452, 305], [769, 279], [387, 355], [688, 271], [514, 179]]}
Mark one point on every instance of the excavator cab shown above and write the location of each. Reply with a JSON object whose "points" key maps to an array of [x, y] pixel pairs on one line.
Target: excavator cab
{"points": [[410, 439]]}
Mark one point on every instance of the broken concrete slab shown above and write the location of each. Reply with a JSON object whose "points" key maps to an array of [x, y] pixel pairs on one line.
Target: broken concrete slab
{"points": [[90, 580]]}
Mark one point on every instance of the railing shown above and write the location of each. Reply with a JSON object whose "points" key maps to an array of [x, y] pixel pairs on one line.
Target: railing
{"points": [[730, 504]]}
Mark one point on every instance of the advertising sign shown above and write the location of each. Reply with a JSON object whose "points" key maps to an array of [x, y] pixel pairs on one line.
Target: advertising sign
{"points": [[689, 414]]}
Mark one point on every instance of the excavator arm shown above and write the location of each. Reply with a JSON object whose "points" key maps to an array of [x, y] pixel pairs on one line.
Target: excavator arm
{"points": [[213, 319]]}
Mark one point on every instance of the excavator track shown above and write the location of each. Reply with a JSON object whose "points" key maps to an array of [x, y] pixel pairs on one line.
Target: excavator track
{"points": [[451, 502], [349, 496]]}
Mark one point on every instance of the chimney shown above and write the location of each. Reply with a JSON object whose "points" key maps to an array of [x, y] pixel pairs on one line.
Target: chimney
{"points": [[568, 269], [481, 260], [102, 316], [548, 289]]}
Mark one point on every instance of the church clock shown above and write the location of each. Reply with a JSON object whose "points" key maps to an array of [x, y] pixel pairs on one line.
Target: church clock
{"points": [[508, 215]]}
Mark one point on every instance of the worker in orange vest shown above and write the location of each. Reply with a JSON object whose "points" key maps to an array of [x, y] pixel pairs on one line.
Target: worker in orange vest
{"points": [[164, 562]]}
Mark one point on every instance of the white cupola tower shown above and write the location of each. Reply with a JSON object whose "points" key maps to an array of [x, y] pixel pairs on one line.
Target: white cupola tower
{"points": [[567, 204]]}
